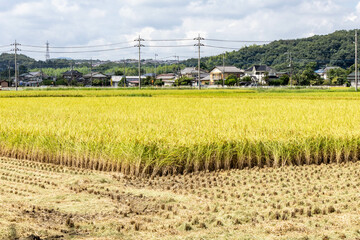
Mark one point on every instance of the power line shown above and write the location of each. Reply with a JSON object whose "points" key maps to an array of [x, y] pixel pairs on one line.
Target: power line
{"points": [[241, 41], [93, 46], [174, 46], [169, 40], [86, 51], [211, 46]]}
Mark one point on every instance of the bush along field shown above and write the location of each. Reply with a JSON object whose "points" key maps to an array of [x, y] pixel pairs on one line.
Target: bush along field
{"points": [[176, 131]]}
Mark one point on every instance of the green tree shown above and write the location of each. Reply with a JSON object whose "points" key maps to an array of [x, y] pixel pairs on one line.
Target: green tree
{"points": [[158, 82], [284, 79], [246, 79], [183, 81], [147, 81], [118, 73], [337, 76], [23, 69], [231, 80], [266, 77], [308, 76], [122, 82]]}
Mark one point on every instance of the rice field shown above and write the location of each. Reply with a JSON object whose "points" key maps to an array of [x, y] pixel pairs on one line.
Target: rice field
{"points": [[51, 202], [160, 132]]}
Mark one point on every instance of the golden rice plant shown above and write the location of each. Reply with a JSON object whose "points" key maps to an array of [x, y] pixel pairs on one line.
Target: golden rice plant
{"points": [[177, 131]]}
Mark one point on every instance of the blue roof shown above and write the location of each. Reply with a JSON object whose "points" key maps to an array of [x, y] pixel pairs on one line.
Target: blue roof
{"points": [[319, 71]]}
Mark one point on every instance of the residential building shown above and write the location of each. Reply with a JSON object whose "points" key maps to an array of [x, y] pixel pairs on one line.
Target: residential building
{"points": [[324, 72], [222, 72], [95, 76], [133, 81], [351, 79], [73, 75], [259, 72], [192, 72], [115, 81], [32, 79], [168, 79], [204, 79], [4, 84]]}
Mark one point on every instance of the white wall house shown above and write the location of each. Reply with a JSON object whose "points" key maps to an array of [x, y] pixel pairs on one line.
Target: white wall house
{"points": [[258, 72], [324, 73], [131, 81]]}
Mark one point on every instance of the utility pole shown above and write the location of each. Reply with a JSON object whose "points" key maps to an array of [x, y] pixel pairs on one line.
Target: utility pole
{"points": [[124, 73], [41, 76], [9, 74], [72, 71], [177, 69], [199, 45], [91, 71], [155, 65], [16, 70], [290, 66], [47, 56], [356, 63], [223, 73], [291, 71], [139, 45]]}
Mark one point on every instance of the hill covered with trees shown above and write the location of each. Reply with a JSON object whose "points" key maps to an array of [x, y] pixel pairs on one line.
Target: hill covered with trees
{"points": [[335, 49]]}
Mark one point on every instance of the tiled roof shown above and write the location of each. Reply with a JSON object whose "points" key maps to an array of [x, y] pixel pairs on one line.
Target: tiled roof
{"points": [[229, 69], [191, 70], [95, 75]]}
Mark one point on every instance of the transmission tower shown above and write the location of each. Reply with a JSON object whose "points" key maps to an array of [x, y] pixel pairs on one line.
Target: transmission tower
{"points": [[47, 56]]}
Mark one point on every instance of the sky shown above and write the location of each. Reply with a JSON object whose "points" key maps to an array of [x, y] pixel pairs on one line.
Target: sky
{"points": [[114, 24]]}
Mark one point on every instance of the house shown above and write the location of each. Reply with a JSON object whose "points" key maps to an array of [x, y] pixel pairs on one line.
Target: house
{"points": [[73, 75], [351, 79], [222, 72], [168, 79], [4, 84], [324, 73], [32, 79], [192, 72], [115, 81], [259, 72], [95, 76], [204, 79], [133, 81]]}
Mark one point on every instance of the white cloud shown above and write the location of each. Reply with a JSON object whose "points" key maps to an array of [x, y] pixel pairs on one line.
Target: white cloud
{"points": [[358, 7], [83, 22]]}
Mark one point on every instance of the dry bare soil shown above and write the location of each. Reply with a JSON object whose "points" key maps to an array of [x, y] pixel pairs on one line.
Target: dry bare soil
{"points": [[44, 201]]}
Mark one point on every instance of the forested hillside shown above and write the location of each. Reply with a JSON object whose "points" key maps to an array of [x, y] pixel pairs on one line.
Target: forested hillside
{"points": [[335, 49]]}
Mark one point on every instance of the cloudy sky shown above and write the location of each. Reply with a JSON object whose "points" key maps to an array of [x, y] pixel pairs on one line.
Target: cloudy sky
{"points": [[66, 23]]}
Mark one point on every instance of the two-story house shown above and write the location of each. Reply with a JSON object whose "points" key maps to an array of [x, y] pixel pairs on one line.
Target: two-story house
{"points": [[222, 72], [259, 73]]}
